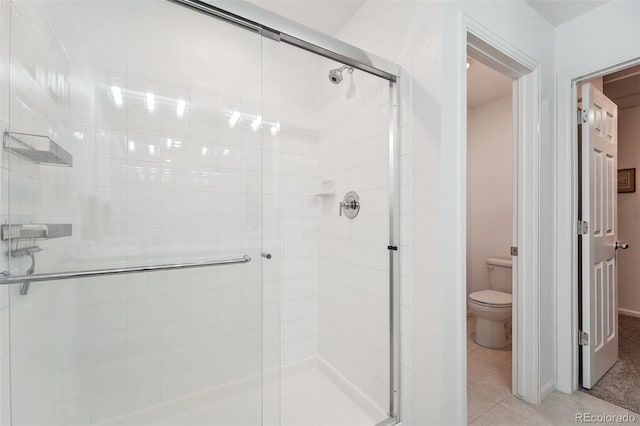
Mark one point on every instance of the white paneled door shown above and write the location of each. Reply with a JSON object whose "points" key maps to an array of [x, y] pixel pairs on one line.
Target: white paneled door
{"points": [[599, 210]]}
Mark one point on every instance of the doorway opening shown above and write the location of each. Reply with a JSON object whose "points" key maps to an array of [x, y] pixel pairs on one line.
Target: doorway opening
{"points": [[491, 233], [499, 55], [608, 300]]}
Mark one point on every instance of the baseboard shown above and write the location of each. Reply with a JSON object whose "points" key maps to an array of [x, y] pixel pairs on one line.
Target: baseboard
{"points": [[629, 312], [547, 390]]}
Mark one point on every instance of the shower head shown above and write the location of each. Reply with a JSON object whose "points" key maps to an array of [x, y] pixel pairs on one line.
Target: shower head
{"points": [[335, 75]]}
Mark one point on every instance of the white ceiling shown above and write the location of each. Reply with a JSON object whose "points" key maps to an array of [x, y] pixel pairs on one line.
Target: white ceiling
{"points": [[558, 12], [326, 16], [485, 85]]}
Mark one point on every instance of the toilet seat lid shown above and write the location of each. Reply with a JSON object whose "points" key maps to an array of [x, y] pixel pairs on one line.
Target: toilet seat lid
{"points": [[491, 297]]}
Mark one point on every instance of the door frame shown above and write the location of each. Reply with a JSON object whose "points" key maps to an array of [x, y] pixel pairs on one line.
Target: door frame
{"points": [[567, 312], [526, 71]]}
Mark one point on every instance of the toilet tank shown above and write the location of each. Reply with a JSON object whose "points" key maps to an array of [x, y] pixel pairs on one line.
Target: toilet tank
{"points": [[499, 274]]}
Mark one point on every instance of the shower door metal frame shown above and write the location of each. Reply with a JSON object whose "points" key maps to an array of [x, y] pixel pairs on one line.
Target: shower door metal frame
{"points": [[394, 260], [278, 28], [274, 26]]}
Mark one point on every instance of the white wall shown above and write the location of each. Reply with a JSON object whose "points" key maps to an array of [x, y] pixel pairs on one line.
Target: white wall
{"points": [[628, 208], [606, 36], [427, 40], [5, 29], [489, 187]]}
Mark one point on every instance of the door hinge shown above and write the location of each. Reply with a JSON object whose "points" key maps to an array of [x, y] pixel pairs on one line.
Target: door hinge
{"points": [[514, 251], [583, 116], [394, 248], [583, 338], [583, 227]]}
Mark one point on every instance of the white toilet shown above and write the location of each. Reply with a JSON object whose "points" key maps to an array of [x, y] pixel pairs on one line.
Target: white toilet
{"points": [[492, 308]]}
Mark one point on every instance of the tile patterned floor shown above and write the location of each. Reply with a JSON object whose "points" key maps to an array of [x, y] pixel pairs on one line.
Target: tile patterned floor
{"points": [[490, 402]]}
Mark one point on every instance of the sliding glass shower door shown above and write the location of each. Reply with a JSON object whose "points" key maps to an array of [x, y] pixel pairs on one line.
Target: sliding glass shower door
{"points": [[327, 215], [132, 147], [196, 223]]}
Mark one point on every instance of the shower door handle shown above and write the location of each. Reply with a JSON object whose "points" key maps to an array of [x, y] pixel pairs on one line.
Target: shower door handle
{"points": [[6, 278]]}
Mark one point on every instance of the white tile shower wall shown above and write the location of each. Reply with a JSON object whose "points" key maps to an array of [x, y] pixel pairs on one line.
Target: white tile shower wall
{"points": [[291, 217], [151, 187], [300, 233], [147, 188], [291, 212], [291, 229], [354, 281]]}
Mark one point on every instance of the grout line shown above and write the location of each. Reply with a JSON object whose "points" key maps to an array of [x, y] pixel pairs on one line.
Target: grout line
{"points": [[511, 411], [485, 411]]}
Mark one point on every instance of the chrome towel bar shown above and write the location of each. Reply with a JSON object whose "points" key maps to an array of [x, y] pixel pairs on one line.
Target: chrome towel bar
{"points": [[55, 276]]}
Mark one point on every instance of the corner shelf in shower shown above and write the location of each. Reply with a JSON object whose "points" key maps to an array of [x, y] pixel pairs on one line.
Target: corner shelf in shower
{"points": [[327, 189], [31, 232], [35, 231], [38, 149]]}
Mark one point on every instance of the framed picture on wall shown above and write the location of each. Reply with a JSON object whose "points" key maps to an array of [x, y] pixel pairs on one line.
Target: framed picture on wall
{"points": [[626, 180]]}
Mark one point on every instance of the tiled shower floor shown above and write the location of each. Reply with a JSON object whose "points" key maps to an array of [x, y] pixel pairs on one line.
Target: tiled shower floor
{"points": [[308, 397], [311, 398]]}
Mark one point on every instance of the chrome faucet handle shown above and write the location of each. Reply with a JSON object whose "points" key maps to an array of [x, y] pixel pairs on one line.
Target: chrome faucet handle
{"points": [[350, 205]]}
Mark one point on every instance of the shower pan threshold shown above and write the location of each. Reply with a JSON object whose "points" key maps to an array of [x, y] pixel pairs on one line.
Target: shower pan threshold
{"points": [[311, 393]]}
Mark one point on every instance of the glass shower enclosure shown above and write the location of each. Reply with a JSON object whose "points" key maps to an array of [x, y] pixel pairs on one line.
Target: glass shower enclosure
{"points": [[198, 220]]}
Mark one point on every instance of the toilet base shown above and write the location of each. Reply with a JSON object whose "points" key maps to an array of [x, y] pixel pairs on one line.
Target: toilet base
{"points": [[493, 334]]}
